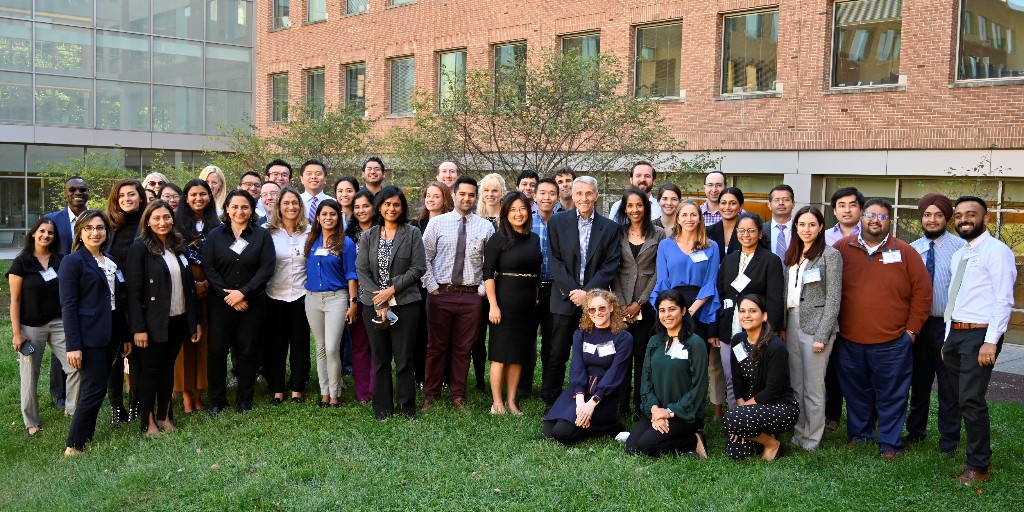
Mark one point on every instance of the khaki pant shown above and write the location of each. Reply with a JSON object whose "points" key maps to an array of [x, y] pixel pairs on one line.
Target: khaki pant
{"points": [[50, 334]]}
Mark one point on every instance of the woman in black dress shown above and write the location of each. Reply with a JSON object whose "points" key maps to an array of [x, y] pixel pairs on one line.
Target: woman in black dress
{"points": [[512, 261]]}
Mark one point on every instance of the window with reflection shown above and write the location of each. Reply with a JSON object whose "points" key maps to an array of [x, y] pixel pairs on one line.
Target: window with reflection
{"points": [[316, 10], [356, 6], [509, 73], [16, 8], [355, 86], [451, 78], [64, 50], [177, 62], [228, 67], [585, 47], [15, 97], [127, 15], [179, 18], [229, 21], [989, 39], [15, 45], [122, 106], [70, 12], [315, 91], [658, 60], [866, 46], [402, 85], [121, 56], [225, 110], [279, 98], [63, 101], [177, 109], [750, 52], [280, 12]]}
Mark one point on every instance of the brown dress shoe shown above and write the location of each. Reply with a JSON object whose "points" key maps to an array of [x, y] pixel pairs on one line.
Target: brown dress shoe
{"points": [[969, 477], [427, 402], [459, 403], [890, 454]]}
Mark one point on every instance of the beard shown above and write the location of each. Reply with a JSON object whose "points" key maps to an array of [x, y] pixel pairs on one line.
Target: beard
{"points": [[932, 235], [973, 233]]}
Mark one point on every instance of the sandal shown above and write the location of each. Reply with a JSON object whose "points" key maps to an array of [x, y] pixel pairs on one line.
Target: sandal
{"points": [[28, 430], [701, 450]]}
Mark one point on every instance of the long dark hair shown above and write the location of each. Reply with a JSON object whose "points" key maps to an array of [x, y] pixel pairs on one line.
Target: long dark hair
{"points": [[796, 244], [387, 193], [352, 230], [115, 215], [687, 329], [153, 244], [336, 242], [225, 218], [505, 229], [766, 328], [185, 219], [30, 240], [623, 220]]}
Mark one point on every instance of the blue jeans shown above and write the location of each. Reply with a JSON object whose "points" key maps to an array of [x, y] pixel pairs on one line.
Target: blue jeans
{"points": [[876, 375]]}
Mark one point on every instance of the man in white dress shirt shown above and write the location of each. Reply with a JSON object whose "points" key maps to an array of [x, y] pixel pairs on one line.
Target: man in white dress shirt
{"points": [[642, 176], [779, 230]]}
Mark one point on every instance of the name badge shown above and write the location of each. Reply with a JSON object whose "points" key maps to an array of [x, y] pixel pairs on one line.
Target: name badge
{"points": [[239, 246], [606, 349], [120, 276], [812, 276], [739, 351], [727, 304], [321, 252], [184, 261], [740, 282], [678, 352], [893, 256], [589, 348], [49, 274], [698, 256]]}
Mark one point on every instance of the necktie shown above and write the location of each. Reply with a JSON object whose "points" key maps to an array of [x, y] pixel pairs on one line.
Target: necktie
{"points": [[312, 208], [460, 254], [780, 242], [930, 262], [955, 289]]}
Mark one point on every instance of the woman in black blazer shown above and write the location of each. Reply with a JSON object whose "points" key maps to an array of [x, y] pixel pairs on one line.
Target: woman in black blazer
{"points": [[390, 262], [163, 311], [761, 274], [89, 283], [766, 404]]}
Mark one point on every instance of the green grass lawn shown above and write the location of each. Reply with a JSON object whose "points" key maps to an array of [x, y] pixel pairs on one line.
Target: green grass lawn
{"points": [[300, 457]]}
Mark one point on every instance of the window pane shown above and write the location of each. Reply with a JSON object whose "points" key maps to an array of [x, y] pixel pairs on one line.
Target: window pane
{"points": [[315, 91], [177, 109], [71, 12], [658, 54], [451, 78], [402, 85], [509, 69], [177, 62], [15, 45], [12, 211], [129, 15], [178, 18], [355, 86], [16, 8], [122, 56], [750, 55], [867, 42], [912, 190], [229, 21], [281, 20], [64, 50], [585, 47], [39, 156], [316, 10], [63, 101], [15, 97], [228, 67], [988, 49], [356, 6], [122, 106], [12, 160], [279, 98], [226, 110], [402, 2]]}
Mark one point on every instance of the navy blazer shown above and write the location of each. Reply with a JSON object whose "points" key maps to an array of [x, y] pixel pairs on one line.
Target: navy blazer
{"points": [[149, 293], [64, 229], [603, 255], [85, 301]]}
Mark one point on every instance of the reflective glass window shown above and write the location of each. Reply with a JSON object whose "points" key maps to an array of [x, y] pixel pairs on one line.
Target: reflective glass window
{"points": [[751, 52], [451, 78], [15, 97], [16, 8], [71, 12], [585, 46], [658, 60], [279, 98], [226, 109], [127, 15], [177, 62], [866, 49], [355, 85], [229, 21], [315, 91], [122, 106], [177, 109], [989, 33], [15, 45], [402, 84], [64, 50], [228, 67], [122, 56], [316, 10], [63, 101], [179, 18]]}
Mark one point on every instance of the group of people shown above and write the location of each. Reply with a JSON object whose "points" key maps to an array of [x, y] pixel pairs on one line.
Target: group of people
{"points": [[654, 309]]}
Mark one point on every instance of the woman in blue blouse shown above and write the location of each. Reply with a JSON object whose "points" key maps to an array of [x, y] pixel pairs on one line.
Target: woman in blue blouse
{"points": [[330, 292], [601, 350]]}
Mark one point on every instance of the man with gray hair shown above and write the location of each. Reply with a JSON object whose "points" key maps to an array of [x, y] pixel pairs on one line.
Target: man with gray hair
{"points": [[583, 251]]}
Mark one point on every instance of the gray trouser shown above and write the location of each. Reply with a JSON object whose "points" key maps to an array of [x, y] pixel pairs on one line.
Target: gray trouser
{"points": [[50, 334], [807, 376], [325, 312]]}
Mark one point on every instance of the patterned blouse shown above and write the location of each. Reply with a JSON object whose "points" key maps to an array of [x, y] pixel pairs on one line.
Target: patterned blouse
{"points": [[384, 250]]}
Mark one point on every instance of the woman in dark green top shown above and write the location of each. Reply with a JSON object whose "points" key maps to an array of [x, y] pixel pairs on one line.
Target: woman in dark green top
{"points": [[673, 385]]}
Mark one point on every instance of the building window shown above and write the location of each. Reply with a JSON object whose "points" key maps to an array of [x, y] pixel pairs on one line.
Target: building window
{"points": [[988, 49], [451, 78], [279, 98], [281, 20], [356, 6], [750, 52], [316, 10], [402, 2], [509, 73], [402, 85], [315, 91], [355, 86], [658, 59], [585, 47], [866, 46]]}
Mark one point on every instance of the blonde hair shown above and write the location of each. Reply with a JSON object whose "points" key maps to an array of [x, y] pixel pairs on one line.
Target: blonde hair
{"points": [[301, 222], [702, 231], [618, 323], [218, 200], [489, 180]]}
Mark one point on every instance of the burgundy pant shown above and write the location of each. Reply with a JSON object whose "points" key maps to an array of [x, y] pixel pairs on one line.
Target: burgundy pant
{"points": [[452, 322], [362, 360]]}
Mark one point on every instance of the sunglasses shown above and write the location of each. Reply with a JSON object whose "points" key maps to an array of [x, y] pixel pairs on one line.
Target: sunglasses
{"points": [[598, 309], [79, 190]]}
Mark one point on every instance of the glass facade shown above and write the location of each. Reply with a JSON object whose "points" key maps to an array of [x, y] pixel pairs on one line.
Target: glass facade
{"points": [[658, 60], [989, 33], [866, 47]]}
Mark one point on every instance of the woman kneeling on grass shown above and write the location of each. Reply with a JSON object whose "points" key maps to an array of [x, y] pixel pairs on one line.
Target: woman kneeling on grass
{"points": [[601, 349], [673, 383], [766, 404]]}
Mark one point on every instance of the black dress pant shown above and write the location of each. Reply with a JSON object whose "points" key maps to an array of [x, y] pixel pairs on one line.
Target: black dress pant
{"points": [[57, 378], [641, 331], [154, 374], [419, 358], [397, 343], [238, 332], [93, 375], [833, 394], [557, 355], [970, 383], [480, 347], [288, 331], [566, 432], [543, 319], [929, 367], [645, 440]]}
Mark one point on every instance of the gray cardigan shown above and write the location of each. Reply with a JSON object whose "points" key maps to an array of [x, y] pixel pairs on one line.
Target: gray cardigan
{"points": [[635, 277], [408, 264], [819, 301]]}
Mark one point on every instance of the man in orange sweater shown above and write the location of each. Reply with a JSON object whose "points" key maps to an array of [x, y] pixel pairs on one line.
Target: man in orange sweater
{"points": [[887, 295]]}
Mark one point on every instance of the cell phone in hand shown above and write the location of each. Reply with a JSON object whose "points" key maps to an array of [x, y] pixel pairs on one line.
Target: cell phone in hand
{"points": [[27, 348]]}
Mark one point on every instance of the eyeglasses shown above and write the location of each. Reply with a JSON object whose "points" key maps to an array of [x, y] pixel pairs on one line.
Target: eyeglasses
{"points": [[872, 216], [80, 190], [269, 195], [278, 175], [250, 184], [168, 197], [94, 229], [746, 231], [714, 185], [782, 200], [598, 309], [155, 183]]}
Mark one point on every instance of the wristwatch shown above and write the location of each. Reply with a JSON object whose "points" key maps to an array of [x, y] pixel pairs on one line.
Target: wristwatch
{"points": [[596, 399]]}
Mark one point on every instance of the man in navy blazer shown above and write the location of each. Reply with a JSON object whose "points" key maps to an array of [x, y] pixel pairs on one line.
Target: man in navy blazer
{"points": [[583, 252], [76, 193]]}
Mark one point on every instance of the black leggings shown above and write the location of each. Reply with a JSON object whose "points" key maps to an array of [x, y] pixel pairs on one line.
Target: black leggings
{"points": [[154, 373], [567, 432], [645, 440]]}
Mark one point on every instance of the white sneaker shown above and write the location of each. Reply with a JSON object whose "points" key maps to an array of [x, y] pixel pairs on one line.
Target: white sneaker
{"points": [[622, 437]]}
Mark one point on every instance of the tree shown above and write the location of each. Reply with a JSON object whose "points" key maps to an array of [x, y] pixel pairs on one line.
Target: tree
{"points": [[99, 169]]}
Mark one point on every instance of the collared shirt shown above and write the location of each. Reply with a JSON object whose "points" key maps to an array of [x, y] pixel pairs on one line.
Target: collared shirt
{"points": [[306, 196], [788, 229], [655, 208], [71, 217], [710, 217], [945, 246], [289, 281], [439, 241], [327, 271], [541, 228], [585, 225], [871, 250], [560, 208], [833, 235], [247, 268], [177, 290], [986, 291]]}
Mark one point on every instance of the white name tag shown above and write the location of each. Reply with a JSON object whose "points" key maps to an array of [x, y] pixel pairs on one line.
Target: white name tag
{"points": [[239, 246], [321, 252], [606, 349], [727, 304], [589, 348], [739, 351], [698, 256], [740, 282], [184, 261], [49, 274], [893, 256], [678, 352], [120, 276], [812, 276]]}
